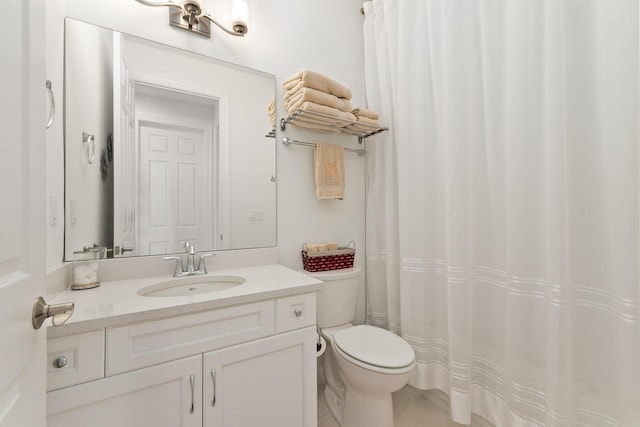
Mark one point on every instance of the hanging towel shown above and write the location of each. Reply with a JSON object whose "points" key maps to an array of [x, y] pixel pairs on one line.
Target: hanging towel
{"points": [[271, 112], [329, 165], [312, 95], [315, 80]]}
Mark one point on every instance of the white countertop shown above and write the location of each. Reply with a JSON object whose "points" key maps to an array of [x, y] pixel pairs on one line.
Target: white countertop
{"points": [[117, 303]]}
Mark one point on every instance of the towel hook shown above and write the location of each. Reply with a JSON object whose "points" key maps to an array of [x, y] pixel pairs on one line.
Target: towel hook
{"points": [[52, 104], [90, 141]]}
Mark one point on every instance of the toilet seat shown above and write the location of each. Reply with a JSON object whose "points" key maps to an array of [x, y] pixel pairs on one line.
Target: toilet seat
{"points": [[374, 348]]}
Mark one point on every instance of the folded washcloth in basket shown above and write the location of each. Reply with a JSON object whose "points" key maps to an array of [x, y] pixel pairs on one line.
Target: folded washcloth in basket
{"points": [[315, 80], [329, 171]]}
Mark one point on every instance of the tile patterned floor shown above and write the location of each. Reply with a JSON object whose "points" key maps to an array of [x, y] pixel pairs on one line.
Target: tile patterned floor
{"points": [[410, 409]]}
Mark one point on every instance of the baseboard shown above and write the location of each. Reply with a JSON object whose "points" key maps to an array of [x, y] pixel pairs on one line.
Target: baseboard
{"points": [[442, 401]]}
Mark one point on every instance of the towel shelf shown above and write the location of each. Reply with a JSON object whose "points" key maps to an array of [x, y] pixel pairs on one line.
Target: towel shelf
{"points": [[288, 141], [332, 124]]}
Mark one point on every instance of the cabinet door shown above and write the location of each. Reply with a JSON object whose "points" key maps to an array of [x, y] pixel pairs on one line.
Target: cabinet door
{"points": [[164, 395], [269, 382]]}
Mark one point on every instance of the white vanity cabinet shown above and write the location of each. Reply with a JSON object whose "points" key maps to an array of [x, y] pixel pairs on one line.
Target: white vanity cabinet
{"points": [[262, 383], [258, 358], [169, 394]]}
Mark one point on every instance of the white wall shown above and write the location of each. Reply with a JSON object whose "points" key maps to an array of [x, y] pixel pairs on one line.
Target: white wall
{"points": [[285, 36]]}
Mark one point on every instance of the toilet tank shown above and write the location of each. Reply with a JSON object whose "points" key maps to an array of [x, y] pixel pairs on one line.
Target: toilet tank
{"points": [[336, 301]]}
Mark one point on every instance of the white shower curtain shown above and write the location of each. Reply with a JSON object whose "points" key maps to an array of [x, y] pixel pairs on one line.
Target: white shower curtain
{"points": [[503, 207]]}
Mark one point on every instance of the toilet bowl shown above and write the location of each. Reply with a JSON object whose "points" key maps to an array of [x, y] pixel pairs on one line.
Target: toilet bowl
{"points": [[363, 364]]}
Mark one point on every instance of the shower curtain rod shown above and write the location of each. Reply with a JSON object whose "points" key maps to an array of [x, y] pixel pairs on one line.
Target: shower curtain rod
{"points": [[287, 141]]}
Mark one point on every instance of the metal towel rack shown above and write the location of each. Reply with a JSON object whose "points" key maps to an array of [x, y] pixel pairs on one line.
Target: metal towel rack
{"points": [[288, 141], [326, 122]]}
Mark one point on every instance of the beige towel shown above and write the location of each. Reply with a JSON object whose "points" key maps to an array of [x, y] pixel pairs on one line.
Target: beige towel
{"points": [[335, 114], [312, 95], [332, 246], [312, 247], [317, 127], [271, 112], [363, 112], [315, 80], [329, 165], [368, 121]]}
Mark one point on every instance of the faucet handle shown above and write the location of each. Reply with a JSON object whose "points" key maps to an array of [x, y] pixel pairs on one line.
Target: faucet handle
{"points": [[202, 265], [178, 269]]}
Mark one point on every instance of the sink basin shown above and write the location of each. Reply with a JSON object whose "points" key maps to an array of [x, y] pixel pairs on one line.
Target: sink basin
{"points": [[187, 286]]}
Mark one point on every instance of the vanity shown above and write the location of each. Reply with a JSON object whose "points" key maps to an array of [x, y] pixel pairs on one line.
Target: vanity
{"points": [[244, 355]]}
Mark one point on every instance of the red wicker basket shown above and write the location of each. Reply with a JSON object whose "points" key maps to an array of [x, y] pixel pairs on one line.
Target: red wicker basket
{"points": [[328, 260]]}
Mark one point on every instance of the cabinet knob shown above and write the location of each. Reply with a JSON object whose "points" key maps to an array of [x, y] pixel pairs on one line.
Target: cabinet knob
{"points": [[298, 313], [60, 362]]}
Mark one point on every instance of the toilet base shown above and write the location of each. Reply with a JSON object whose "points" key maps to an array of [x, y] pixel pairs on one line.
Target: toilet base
{"points": [[334, 403], [367, 410]]}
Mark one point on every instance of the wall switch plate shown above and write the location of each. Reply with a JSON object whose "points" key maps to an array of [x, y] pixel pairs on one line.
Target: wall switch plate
{"points": [[73, 211], [256, 215], [53, 209]]}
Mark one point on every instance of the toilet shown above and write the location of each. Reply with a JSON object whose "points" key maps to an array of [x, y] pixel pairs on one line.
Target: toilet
{"points": [[363, 364]]}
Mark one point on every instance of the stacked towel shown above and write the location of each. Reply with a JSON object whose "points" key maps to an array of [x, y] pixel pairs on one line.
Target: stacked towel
{"points": [[312, 91], [293, 100], [271, 112], [329, 171], [367, 117], [315, 80], [363, 112]]}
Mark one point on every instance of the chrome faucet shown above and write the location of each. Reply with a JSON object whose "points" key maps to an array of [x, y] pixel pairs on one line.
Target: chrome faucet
{"points": [[190, 250], [191, 253]]}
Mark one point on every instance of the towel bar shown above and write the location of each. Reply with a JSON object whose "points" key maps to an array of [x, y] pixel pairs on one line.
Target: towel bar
{"points": [[287, 141]]}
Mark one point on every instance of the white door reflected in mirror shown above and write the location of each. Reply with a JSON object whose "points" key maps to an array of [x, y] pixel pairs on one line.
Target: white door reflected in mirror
{"points": [[180, 148]]}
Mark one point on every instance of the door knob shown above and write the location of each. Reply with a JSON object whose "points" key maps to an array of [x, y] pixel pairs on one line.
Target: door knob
{"points": [[59, 312]]}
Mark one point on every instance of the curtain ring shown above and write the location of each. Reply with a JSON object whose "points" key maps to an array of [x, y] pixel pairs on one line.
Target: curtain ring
{"points": [[90, 140]]}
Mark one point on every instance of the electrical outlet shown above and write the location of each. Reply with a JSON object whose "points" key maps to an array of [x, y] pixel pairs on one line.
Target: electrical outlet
{"points": [[256, 215]]}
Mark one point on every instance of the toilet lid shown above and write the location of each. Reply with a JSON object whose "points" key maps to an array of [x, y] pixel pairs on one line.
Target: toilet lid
{"points": [[374, 346]]}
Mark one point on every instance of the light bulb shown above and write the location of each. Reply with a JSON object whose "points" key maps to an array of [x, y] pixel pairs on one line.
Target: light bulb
{"points": [[240, 16]]}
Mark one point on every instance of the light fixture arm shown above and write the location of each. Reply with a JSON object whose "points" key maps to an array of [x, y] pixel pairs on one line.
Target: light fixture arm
{"points": [[189, 15], [161, 3], [239, 30]]}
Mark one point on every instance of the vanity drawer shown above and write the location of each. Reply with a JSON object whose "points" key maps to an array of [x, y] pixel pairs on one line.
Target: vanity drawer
{"points": [[295, 312], [150, 343], [75, 359]]}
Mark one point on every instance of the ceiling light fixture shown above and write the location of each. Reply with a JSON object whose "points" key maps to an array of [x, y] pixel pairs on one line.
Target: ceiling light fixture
{"points": [[189, 15]]}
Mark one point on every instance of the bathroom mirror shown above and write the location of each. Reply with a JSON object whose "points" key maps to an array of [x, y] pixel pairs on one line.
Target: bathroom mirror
{"points": [[164, 146]]}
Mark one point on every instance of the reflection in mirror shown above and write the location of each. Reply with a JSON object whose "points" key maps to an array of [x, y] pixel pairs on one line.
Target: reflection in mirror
{"points": [[178, 147]]}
